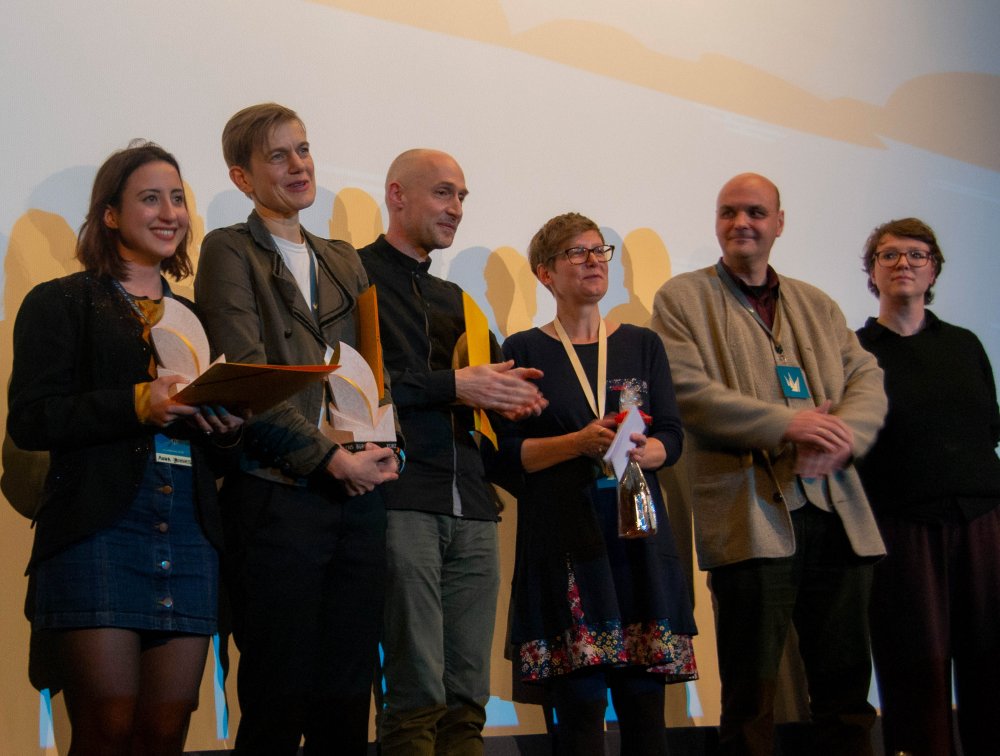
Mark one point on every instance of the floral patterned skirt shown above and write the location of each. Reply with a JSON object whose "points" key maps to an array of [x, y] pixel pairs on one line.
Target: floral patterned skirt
{"points": [[585, 643]]}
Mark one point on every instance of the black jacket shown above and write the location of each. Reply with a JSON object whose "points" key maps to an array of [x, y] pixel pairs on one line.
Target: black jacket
{"points": [[78, 353], [421, 319]]}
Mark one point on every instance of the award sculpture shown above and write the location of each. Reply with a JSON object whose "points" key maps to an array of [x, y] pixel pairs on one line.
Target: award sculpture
{"points": [[354, 415], [181, 348]]}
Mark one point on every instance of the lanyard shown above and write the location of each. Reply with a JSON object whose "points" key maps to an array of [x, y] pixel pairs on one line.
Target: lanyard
{"points": [[328, 355], [133, 304], [597, 407], [148, 321], [745, 304], [313, 284]]}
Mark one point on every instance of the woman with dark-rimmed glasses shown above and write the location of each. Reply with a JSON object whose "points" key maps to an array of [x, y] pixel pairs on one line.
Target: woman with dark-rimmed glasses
{"points": [[933, 479], [593, 612]]}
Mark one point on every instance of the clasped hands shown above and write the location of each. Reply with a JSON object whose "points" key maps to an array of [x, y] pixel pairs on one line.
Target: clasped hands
{"points": [[823, 442], [501, 387], [362, 470]]}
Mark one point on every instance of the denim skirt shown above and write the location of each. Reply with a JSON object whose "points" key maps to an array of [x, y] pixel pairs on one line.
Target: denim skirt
{"points": [[153, 569]]}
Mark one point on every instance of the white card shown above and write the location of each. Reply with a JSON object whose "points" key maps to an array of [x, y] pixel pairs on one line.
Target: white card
{"points": [[617, 453]]}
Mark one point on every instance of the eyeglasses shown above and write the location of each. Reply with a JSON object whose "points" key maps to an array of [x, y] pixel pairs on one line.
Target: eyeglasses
{"points": [[917, 258], [580, 255]]}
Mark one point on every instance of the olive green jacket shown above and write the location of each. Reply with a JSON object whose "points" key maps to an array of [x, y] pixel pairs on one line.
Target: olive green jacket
{"points": [[255, 313]]}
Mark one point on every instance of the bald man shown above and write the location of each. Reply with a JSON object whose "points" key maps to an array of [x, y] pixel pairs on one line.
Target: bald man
{"points": [[442, 513], [778, 398]]}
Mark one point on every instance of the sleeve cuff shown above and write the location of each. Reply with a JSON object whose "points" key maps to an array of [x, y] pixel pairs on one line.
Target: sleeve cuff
{"points": [[143, 398], [326, 458], [440, 386]]}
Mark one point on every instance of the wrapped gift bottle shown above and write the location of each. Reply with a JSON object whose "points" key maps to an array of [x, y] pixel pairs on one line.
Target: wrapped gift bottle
{"points": [[636, 513]]}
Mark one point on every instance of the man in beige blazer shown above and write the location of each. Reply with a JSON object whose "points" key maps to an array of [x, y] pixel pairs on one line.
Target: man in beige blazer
{"points": [[778, 398]]}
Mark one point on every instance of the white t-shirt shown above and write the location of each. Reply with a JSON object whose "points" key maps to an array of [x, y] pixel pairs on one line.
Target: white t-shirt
{"points": [[296, 259]]}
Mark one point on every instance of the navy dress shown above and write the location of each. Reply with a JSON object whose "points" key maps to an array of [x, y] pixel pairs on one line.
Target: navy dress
{"points": [[583, 597]]}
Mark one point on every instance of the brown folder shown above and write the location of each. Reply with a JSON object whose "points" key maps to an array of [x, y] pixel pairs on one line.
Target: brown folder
{"points": [[237, 386]]}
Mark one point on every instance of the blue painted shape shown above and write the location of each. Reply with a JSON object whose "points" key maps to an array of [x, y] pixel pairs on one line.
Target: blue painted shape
{"points": [[500, 713], [693, 701], [381, 666], [46, 735], [610, 715], [219, 686]]}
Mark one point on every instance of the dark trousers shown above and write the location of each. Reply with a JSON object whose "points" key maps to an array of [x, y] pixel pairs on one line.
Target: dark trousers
{"points": [[306, 575], [824, 589], [936, 600], [581, 697]]}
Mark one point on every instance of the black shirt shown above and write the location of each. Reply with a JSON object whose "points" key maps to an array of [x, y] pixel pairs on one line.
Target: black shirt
{"points": [[421, 319], [935, 458]]}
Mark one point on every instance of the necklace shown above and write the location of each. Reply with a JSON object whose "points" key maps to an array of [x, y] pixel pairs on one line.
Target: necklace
{"points": [[130, 299], [149, 312]]}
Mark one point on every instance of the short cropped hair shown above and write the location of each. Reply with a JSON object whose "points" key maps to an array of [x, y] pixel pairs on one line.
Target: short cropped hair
{"points": [[247, 132], [554, 235], [97, 244], [904, 228]]}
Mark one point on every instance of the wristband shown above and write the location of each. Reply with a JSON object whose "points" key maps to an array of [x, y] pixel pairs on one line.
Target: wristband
{"points": [[327, 457]]}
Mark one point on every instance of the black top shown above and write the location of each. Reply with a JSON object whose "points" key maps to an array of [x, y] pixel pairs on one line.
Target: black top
{"points": [[421, 318], [935, 459]]}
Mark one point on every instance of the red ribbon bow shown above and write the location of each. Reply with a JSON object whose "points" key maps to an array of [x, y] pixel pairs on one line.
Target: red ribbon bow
{"points": [[620, 417]]}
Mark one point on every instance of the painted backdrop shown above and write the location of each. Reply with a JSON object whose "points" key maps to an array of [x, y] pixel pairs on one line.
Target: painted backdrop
{"points": [[632, 112]]}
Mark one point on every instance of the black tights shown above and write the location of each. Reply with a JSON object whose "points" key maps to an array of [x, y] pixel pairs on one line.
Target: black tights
{"points": [[130, 692], [580, 699]]}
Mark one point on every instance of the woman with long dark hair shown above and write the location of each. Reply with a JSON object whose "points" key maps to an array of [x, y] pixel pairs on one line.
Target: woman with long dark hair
{"points": [[123, 577]]}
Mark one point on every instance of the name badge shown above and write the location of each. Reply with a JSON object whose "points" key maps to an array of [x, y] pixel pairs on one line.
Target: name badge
{"points": [[793, 382], [606, 476], [173, 451]]}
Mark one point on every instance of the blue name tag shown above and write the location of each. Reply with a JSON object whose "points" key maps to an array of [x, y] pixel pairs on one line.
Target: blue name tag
{"points": [[173, 451], [793, 382]]}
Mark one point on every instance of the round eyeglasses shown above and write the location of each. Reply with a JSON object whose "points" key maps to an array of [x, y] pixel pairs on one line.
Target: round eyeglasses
{"points": [[916, 258], [580, 255]]}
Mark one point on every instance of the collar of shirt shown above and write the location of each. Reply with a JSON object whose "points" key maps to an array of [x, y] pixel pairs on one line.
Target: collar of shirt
{"points": [[763, 298]]}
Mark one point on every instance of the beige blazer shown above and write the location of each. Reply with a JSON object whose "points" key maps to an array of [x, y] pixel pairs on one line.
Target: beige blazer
{"points": [[723, 366]]}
